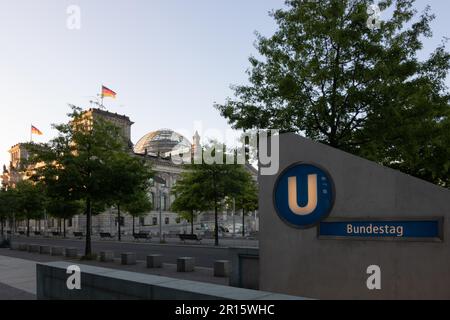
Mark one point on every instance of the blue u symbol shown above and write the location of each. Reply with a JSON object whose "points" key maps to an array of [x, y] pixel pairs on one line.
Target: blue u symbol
{"points": [[303, 195]]}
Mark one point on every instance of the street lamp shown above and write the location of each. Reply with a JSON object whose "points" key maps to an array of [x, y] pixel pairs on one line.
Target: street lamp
{"points": [[162, 186]]}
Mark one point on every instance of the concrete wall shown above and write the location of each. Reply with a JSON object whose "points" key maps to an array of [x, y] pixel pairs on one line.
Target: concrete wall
{"points": [[110, 284], [294, 261], [244, 267]]}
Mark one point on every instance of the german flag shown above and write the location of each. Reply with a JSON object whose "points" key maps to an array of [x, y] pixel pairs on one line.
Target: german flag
{"points": [[36, 131], [108, 93]]}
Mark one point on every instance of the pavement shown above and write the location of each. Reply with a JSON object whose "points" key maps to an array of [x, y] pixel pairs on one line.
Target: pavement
{"points": [[205, 254], [18, 268], [17, 278]]}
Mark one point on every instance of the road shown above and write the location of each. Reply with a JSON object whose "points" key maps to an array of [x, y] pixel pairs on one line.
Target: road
{"points": [[204, 255]]}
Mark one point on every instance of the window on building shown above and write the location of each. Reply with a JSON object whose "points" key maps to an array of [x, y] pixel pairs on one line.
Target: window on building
{"points": [[164, 202], [69, 223], [155, 221], [141, 221], [152, 198], [166, 220], [122, 221]]}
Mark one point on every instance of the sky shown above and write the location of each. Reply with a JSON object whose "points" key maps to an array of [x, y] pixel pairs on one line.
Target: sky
{"points": [[168, 60]]}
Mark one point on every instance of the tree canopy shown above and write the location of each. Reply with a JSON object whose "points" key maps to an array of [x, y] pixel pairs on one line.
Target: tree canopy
{"points": [[326, 74]]}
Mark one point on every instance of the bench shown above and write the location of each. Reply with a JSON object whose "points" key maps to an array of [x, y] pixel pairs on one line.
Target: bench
{"points": [[184, 237], [106, 235], [77, 234], [56, 233], [37, 233], [142, 235]]}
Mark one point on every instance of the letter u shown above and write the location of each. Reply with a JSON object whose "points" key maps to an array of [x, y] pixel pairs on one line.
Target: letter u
{"points": [[312, 196]]}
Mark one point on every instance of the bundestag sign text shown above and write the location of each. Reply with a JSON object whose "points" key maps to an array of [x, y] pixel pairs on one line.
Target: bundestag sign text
{"points": [[402, 229]]}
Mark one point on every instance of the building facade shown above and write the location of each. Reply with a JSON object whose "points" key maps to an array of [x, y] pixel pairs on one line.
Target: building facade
{"points": [[156, 147]]}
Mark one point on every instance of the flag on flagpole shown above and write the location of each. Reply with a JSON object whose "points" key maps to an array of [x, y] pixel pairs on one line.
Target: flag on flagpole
{"points": [[106, 92], [36, 131]]}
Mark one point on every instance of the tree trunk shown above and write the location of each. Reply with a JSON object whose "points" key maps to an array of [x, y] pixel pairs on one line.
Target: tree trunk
{"points": [[28, 227], [118, 222], [64, 227], [88, 248], [216, 226], [192, 222], [1, 223], [133, 225], [243, 223]]}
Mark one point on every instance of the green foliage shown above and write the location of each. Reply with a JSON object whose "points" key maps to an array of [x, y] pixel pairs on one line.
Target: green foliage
{"points": [[30, 200], [207, 185], [138, 204], [325, 74], [8, 203], [82, 164]]}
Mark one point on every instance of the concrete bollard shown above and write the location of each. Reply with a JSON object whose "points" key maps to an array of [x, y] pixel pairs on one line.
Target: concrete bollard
{"points": [[14, 246], [221, 268], [23, 246], [44, 249], [106, 256], [57, 251], [185, 264], [33, 248], [128, 258], [154, 261], [71, 252]]}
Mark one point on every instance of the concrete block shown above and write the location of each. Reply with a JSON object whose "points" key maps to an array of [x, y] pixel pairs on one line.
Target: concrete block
{"points": [[154, 261], [57, 251], [106, 256], [44, 249], [71, 252], [23, 246], [33, 248], [185, 264], [221, 268], [128, 258], [14, 246]]}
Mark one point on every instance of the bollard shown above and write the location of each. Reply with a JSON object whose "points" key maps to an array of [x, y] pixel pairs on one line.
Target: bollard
{"points": [[71, 252], [106, 256], [185, 264], [14, 246], [33, 248], [128, 258], [154, 261], [221, 268], [23, 246], [44, 249], [57, 251]]}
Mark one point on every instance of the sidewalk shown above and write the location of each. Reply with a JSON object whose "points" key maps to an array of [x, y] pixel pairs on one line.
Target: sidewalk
{"points": [[17, 279]]}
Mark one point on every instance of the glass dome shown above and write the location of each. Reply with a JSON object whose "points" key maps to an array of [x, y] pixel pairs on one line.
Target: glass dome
{"points": [[164, 142]]}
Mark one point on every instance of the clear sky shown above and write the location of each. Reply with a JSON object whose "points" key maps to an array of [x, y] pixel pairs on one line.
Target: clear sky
{"points": [[168, 60]]}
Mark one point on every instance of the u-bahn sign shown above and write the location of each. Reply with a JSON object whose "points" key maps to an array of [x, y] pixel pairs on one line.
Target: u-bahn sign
{"points": [[304, 195]]}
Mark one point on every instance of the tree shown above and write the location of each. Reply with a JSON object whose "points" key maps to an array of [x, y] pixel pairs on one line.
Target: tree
{"points": [[138, 205], [327, 74], [62, 208], [8, 206], [213, 181], [30, 202], [188, 201], [130, 177], [247, 200], [77, 163]]}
